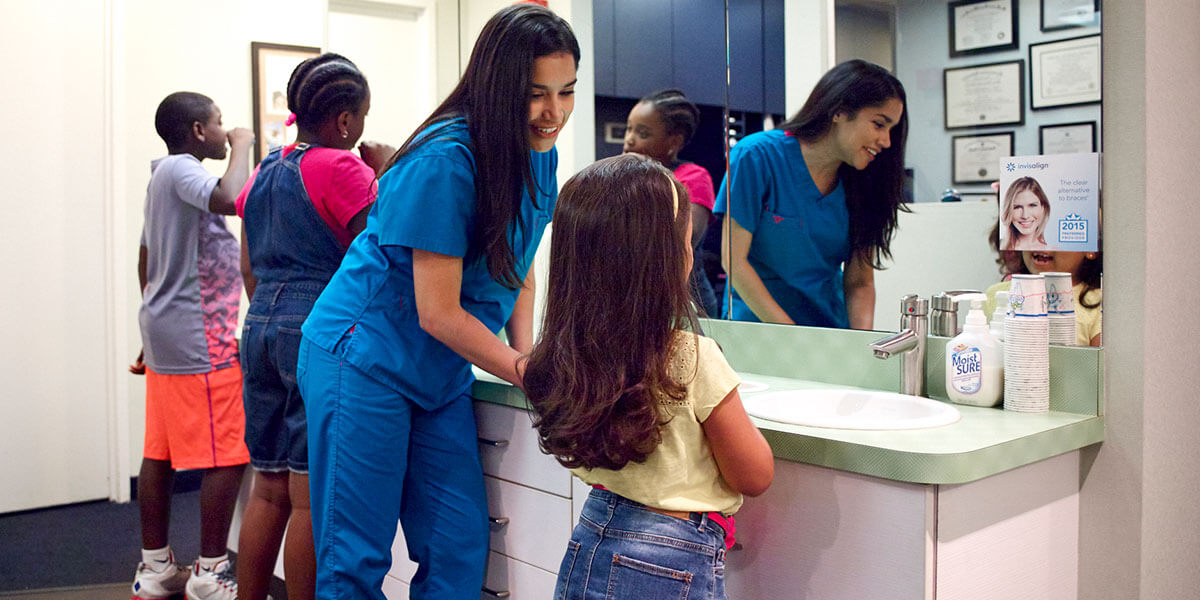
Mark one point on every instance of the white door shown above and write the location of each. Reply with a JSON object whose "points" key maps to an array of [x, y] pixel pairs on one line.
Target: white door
{"points": [[54, 383], [394, 46]]}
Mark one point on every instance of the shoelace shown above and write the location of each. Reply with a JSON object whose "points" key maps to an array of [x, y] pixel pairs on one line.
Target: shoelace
{"points": [[227, 579]]}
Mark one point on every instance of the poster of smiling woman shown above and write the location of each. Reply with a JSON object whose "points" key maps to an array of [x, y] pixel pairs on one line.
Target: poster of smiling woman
{"points": [[1050, 202]]}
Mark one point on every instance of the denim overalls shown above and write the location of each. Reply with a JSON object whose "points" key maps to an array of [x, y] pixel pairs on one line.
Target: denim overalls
{"points": [[293, 254]]}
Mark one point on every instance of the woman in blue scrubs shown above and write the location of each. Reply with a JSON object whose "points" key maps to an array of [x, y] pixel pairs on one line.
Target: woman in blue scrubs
{"points": [[443, 264], [812, 205]]}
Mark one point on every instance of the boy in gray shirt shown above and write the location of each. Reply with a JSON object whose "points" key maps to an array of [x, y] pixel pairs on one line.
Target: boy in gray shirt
{"points": [[191, 287]]}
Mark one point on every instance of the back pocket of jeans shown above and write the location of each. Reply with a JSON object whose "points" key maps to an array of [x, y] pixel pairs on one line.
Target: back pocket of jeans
{"points": [[632, 578], [565, 569]]}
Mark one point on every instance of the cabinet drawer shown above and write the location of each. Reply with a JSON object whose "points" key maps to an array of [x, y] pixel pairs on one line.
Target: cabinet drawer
{"points": [[394, 589], [402, 568], [512, 579], [535, 526], [509, 450]]}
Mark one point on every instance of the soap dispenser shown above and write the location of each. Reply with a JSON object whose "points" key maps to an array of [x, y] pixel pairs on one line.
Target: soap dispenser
{"points": [[974, 360]]}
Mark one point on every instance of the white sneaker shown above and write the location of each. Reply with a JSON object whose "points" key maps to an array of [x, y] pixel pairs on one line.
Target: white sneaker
{"points": [[216, 584], [149, 584]]}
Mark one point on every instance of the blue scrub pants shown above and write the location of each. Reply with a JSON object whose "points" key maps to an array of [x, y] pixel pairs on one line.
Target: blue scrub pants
{"points": [[375, 457]]}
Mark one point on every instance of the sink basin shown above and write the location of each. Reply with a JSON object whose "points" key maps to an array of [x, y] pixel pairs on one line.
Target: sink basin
{"points": [[850, 409]]}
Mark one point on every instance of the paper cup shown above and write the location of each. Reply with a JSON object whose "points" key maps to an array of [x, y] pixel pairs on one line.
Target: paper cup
{"points": [[1027, 296], [1059, 296]]}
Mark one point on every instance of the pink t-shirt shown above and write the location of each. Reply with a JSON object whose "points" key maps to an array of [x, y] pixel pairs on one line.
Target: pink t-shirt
{"points": [[338, 182], [698, 183]]}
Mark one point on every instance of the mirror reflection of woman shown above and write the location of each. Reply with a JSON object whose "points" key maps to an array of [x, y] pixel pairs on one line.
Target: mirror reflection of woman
{"points": [[659, 126], [1024, 215], [813, 204]]}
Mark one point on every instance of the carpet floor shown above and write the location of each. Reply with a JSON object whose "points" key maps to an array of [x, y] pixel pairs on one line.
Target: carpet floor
{"points": [[86, 544]]}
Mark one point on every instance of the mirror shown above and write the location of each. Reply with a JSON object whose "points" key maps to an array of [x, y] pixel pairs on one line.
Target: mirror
{"points": [[939, 246]]}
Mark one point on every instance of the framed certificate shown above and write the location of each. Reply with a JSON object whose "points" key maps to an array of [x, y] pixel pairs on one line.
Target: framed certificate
{"points": [[1067, 14], [270, 67], [983, 95], [1067, 138], [978, 26], [976, 158], [1064, 73]]}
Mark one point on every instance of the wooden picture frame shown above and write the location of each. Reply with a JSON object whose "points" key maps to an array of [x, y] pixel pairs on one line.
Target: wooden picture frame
{"points": [[1065, 72], [1067, 138], [1056, 15], [270, 67], [984, 95], [976, 158], [979, 26]]}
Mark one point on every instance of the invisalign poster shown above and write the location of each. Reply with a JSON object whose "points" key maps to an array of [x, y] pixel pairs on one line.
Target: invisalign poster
{"points": [[1050, 202]]}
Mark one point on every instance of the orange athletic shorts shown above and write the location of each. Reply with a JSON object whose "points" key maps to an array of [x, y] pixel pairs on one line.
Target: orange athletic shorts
{"points": [[196, 421]]}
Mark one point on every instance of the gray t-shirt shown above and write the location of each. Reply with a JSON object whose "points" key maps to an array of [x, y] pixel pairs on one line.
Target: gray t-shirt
{"points": [[193, 283]]}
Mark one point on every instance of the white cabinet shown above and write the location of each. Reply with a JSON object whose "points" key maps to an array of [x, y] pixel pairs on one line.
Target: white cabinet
{"points": [[828, 534], [530, 505]]}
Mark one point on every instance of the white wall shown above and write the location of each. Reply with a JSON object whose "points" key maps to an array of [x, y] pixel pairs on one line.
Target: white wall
{"points": [[1138, 504], [56, 372]]}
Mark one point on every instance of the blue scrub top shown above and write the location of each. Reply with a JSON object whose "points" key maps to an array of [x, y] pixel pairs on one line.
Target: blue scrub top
{"points": [[368, 315], [801, 238]]}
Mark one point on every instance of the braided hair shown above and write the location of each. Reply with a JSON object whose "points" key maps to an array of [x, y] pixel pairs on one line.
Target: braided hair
{"points": [[680, 116], [325, 87]]}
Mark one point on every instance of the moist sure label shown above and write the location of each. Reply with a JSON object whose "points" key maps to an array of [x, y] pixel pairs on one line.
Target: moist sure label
{"points": [[967, 377]]}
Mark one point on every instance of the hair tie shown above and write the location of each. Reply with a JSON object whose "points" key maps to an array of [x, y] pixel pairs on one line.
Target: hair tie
{"points": [[290, 120]]}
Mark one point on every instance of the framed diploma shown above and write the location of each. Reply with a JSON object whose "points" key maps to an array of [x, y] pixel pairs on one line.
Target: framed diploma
{"points": [[984, 95], [978, 26], [1065, 72], [1067, 138], [976, 158], [1067, 14], [270, 67]]}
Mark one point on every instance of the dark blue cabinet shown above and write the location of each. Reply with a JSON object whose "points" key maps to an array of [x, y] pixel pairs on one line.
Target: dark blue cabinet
{"points": [[646, 45]]}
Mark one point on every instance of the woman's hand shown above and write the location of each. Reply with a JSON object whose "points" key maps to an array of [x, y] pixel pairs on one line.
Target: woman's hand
{"points": [[139, 366]]}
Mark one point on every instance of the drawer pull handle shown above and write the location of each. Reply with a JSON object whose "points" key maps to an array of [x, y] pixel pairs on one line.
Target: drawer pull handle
{"points": [[494, 593], [498, 521], [494, 444]]}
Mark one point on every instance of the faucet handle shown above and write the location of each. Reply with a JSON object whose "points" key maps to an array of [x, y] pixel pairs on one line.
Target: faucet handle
{"points": [[948, 300], [914, 305]]}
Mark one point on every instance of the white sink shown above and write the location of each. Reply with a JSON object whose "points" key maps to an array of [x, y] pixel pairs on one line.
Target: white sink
{"points": [[850, 409]]}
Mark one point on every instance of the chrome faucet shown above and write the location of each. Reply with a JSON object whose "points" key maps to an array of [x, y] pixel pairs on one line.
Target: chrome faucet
{"points": [[909, 343]]}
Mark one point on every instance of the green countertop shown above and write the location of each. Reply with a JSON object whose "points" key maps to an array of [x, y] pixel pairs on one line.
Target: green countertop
{"points": [[985, 441]]}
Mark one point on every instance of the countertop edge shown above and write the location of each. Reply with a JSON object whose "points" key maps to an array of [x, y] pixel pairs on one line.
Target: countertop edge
{"points": [[888, 463]]}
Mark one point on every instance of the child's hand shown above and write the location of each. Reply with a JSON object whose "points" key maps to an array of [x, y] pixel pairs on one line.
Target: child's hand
{"points": [[240, 136], [376, 155], [138, 367]]}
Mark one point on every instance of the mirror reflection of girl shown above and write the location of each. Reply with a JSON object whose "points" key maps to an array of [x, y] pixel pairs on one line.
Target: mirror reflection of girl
{"points": [[443, 264], [659, 126], [1023, 216], [1085, 269], [634, 402], [813, 204]]}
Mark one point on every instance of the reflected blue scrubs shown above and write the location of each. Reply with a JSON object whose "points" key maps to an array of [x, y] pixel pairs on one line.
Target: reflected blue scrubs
{"points": [[801, 238], [391, 429]]}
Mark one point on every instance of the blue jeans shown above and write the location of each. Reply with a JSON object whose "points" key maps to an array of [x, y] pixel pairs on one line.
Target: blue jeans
{"points": [[276, 430], [375, 457], [620, 549]]}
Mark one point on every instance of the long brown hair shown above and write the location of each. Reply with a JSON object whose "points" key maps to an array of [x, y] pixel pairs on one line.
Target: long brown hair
{"points": [[493, 97], [617, 295]]}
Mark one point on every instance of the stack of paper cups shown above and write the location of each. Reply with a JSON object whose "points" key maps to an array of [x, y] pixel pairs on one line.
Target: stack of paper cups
{"points": [[1060, 306], [1027, 346]]}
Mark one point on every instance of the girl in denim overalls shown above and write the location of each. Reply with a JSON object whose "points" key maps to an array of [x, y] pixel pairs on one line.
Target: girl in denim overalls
{"points": [[633, 401], [301, 209]]}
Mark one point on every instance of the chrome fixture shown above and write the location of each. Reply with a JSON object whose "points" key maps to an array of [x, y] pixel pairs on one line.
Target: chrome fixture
{"points": [[909, 343], [943, 316]]}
